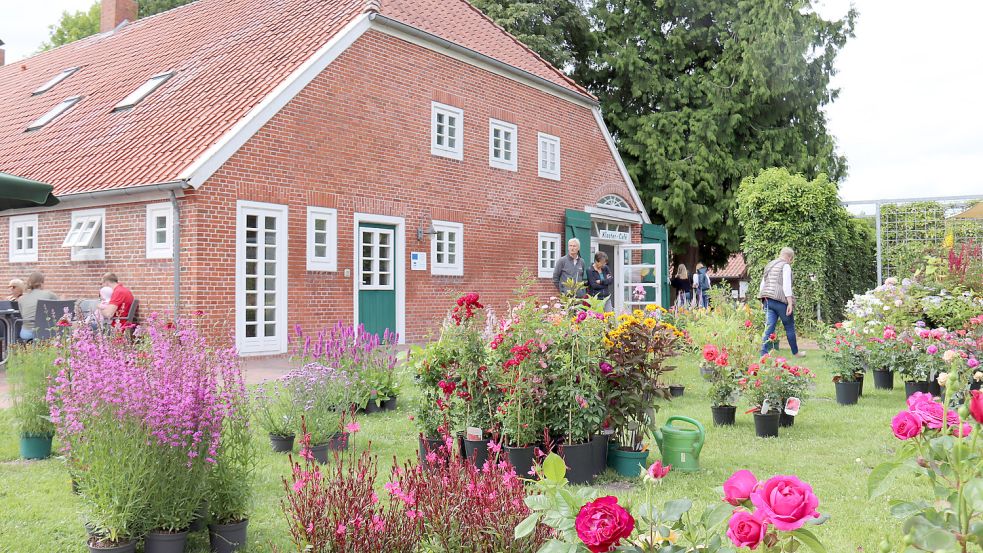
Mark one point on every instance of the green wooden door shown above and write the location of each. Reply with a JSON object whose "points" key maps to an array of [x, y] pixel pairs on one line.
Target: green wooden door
{"points": [[656, 234], [578, 226], [377, 277]]}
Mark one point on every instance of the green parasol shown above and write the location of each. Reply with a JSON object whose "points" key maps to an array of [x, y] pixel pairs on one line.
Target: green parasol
{"points": [[17, 192]]}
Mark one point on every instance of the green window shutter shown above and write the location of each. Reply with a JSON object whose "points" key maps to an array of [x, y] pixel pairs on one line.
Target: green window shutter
{"points": [[656, 234], [578, 226]]}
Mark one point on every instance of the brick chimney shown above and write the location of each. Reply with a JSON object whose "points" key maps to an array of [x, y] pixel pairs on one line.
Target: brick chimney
{"points": [[115, 12]]}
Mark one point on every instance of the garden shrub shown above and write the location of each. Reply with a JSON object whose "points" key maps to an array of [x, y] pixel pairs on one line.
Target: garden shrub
{"points": [[29, 371], [834, 257]]}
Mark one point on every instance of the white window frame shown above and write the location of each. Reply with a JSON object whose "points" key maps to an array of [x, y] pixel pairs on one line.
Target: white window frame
{"points": [[444, 268], [457, 152], [24, 255], [329, 261], [81, 235], [156, 250], [64, 74], [552, 238], [144, 90], [552, 173], [54, 113], [497, 162], [376, 258]]}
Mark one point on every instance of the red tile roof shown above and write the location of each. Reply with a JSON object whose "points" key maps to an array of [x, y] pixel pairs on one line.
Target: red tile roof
{"points": [[227, 56], [736, 268]]}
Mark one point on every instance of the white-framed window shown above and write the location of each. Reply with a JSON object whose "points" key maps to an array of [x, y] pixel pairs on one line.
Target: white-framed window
{"points": [[447, 131], [86, 235], [24, 239], [447, 249], [322, 239], [160, 238], [53, 114], [66, 73], [143, 91], [502, 140], [614, 201], [549, 252], [549, 156]]}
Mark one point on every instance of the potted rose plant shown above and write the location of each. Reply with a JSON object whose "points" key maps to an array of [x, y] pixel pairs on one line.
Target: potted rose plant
{"points": [[724, 390], [794, 382], [880, 357], [761, 386], [29, 370]]}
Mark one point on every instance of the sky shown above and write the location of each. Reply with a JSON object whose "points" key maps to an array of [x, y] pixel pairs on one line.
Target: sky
{"points": [[909, 118]]}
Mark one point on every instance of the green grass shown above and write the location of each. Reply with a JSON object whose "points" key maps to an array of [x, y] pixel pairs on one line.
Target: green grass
{"points": [[831, 447]]}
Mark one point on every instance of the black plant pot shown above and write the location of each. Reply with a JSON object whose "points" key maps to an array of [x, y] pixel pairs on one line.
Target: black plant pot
{"points": [[883, 380], [165, 542], [128, 547], [521, 459], [934, 388], [389, 404], [847, 393], [320, 453], [723, 415], [338, 441], [226, 538], [579, 459], [975, 385], [676, 390], [372, 406], [911, 386], [282, 444], [460, 442], [766, 426], [600, 452], [476, 451], [860, 380], [428, 445], [785, 421]]}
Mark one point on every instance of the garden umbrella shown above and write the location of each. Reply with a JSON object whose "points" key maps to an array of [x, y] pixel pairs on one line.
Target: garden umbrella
{"points": [[17, 192], [975, 212]]}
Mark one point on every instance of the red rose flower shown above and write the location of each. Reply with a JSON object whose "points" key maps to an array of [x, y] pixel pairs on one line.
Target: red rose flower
{"points": [[602, 524], [976, 406]]}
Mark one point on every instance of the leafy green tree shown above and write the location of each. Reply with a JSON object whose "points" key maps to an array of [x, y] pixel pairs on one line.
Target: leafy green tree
{"points": [[80, 24], [703, 93], [557, 30], [73, 26]]}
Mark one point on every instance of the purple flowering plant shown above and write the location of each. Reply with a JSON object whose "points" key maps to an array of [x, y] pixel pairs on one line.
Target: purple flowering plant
{"points": [[141, 420]]}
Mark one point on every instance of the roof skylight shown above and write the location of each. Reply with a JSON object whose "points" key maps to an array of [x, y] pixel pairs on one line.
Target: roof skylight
{"points": [[55, 80], [145, 89], [61, 108]]}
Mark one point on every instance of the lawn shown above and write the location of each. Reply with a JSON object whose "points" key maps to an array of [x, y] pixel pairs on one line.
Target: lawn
{"points": [[831, 447]]}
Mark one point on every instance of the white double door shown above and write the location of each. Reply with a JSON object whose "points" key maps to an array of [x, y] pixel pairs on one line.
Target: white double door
{"points": [[638, 276], [261, 278]]}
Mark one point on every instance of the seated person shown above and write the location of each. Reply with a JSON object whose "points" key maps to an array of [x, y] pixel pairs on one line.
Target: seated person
{"points": [[29, 304], [17, 289], [120, 301]]}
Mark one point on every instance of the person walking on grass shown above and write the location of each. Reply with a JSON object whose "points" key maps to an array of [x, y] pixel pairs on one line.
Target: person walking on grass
{"points": [[778, 300], [701, 286], [570, 266]]}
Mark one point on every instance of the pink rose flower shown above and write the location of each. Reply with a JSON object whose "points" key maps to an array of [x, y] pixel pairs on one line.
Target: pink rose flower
{"points": [[786, 502], [738, 488], [906, 425], [972, 363], [930, 413], [919, 397], [657, 471], [602, 524], [976, 405], [932, 350], [746, 529]]}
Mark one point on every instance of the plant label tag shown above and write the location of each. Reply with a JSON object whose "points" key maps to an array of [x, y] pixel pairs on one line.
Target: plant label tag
{"points": [[765, 407], [792, 405], [474, 433]]}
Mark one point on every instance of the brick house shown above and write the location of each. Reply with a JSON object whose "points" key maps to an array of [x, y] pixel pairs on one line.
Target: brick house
{"points": [[308, 161]]}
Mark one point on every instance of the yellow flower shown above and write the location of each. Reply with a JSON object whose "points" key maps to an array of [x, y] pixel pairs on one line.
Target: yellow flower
{"points": [[949, 241], [608, 343], [650, 322], [623, 318], [638, 313], [651, 307]]}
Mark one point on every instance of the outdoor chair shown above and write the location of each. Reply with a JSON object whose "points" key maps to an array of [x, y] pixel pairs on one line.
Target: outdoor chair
{"points": [[48, 314]]}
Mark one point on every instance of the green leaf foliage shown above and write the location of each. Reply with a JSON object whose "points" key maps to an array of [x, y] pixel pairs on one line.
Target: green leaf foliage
{"points": [[834, 255], [809, 540]]}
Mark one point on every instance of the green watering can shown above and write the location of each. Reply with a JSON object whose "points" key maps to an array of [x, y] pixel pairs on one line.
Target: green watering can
{"points": [[681, 446]]}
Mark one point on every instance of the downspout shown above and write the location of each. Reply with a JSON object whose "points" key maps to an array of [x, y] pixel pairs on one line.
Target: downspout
{"points": [[176, 251]]}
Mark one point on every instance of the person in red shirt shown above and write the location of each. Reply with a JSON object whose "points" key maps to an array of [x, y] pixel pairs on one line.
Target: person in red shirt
{"points": [[118, 306]]}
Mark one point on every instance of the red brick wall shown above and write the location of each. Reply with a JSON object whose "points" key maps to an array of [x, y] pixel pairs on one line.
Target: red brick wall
{"points": [[124, 235], [358, 139]]}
